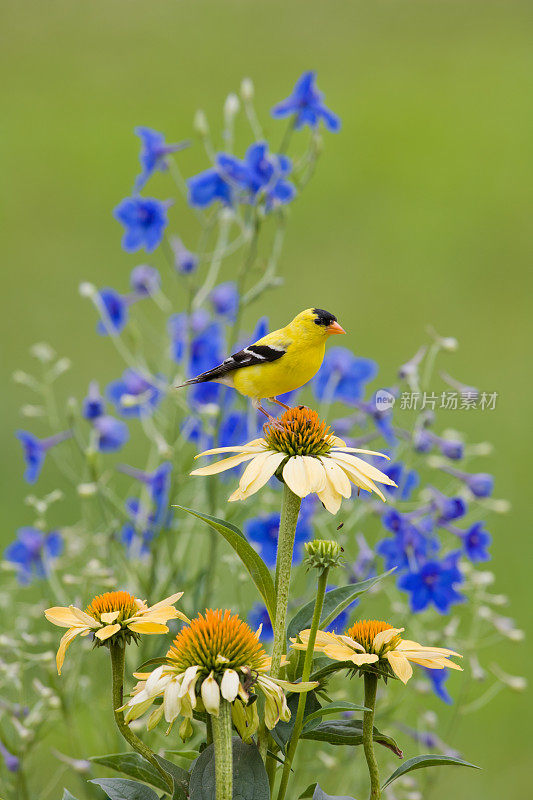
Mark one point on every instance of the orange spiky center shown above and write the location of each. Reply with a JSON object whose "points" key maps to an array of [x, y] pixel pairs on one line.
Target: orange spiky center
{"points": [[217, 641], [303, 433], [365, 630], [113, 601]]}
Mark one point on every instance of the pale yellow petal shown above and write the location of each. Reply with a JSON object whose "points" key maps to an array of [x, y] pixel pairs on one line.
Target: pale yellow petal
{"points": [[407, 644], [363, 658], [145, 626], [253, 470], [361, 480], [383, 637], [269, 467], [400, 665], [315, 473], [168, 601], [222, 466], [336, 477], [64, 617], [295, 476], [345, 449], [107, 631], [336, 442], [64, 643], [367, 469], [255, 444], [85, 619], [330, 498], [338, 652], [109, 616]]}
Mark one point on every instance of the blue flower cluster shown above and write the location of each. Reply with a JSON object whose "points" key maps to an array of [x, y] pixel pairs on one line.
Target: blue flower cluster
{"points": [[33, 553]]}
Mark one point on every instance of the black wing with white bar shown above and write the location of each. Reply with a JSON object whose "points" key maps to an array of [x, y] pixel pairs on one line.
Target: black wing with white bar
{"points": [[249, 356]]}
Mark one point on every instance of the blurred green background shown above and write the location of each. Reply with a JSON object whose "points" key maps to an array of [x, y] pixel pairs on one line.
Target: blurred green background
{"points": [[419, 213]]}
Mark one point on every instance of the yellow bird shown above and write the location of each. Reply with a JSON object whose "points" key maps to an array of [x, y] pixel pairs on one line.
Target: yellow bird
{"points": [[279, 362]]}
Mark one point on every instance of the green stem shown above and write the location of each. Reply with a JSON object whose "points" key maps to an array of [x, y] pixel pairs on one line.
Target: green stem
{"points": [[222, 740], [118, 654], [371, 685], [290, 508], [306, 674]]}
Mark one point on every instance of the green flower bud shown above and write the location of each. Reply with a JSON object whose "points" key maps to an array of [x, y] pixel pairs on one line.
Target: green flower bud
{"points": [[323, 554]]}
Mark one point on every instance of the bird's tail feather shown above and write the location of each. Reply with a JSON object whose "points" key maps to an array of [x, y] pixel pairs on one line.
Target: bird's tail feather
{"points": [[210, 375]]}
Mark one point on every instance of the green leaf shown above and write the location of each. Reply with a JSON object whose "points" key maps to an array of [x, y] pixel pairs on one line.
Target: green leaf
{"points": [[190, 755], [348, 731], [133, 765], [253, 562], [319, 794], [334, 708], [122, 789], [250, 780], [283, 730], [420, 762], [67, 795], [335, 602], [309, 792], [178, 775]]}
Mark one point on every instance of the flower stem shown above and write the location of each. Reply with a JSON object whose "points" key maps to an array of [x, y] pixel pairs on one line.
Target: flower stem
{"points": [[222, 741], [306, 674], [290, 508], [118, 653], [371, 685]]}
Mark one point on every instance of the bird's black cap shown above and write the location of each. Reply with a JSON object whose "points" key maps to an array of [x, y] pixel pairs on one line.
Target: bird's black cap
{"points": [[323, 317]]}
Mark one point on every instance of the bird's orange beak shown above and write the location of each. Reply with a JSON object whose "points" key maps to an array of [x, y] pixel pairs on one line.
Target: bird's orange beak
{"points": [[334, 327]]}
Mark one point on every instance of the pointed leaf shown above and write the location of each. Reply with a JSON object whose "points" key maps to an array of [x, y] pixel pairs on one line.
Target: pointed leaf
{"points": [[190, 755], [319, 794], [334, 708], [253, 562], [67, 795], [420, 762], [133, 765], [250, 780], [178, 775], [348, 731], [122, 789], [283, 730], [335, 602]]}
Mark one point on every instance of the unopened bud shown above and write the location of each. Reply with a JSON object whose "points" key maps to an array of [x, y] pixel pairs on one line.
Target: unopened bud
{"points": [[247, 89], [323, 554], [87, 489], [43, 352], [231, 106], [87, 289], [200, 124]]}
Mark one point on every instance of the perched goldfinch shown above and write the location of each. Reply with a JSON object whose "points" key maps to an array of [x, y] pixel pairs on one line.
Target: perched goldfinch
{"points": [[279, 362]]}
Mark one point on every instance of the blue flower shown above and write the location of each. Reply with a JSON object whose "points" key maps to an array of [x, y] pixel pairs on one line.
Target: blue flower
{"points": [[185, 262], [306, 103], [11, 761], [343, 376], [406, 480], [476, 541], [112, 434], [144, 220], [259, 174], [451, 448], [158, 483], [35, 450], [233, 429], [207, 350], [263, 532], [113, 310], [259, 616], [225, 299], [145, 280], [32, 551], [407, 545], [481, 484], [423, 441], [154, 152], [437, 678], [138, 534], [207, 187], [93, 405], [449, 508], [133, 395], [434, 583]]}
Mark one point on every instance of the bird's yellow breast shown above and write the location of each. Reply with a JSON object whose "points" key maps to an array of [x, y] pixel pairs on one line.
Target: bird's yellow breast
{"points": [[295, 368]]}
